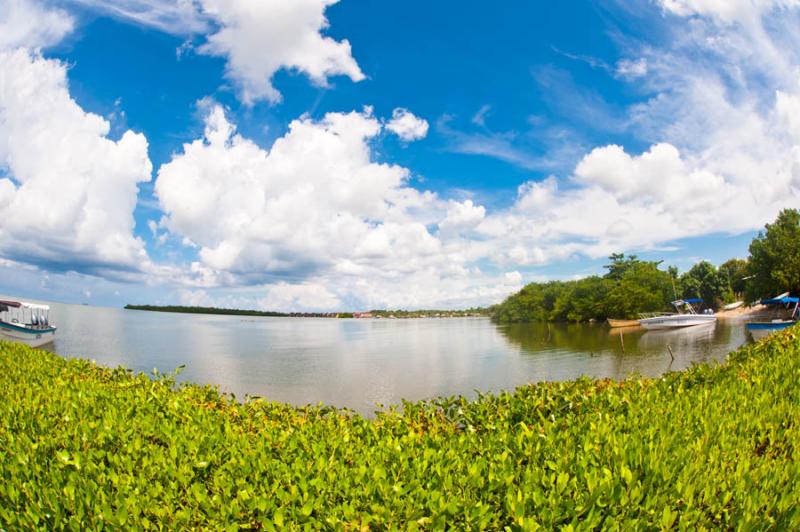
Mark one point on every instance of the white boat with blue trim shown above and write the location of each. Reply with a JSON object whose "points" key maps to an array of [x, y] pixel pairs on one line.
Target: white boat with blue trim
{"points": [[27, 323], [687, 316], [760, 328]]}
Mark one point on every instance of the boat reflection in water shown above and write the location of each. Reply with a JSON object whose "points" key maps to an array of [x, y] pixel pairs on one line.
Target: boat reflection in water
{"points": [[595, 351], [681, 339]]}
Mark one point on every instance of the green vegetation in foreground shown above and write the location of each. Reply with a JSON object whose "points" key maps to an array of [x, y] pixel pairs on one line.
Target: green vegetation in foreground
{"points": [[632, 286], [86, 447]]}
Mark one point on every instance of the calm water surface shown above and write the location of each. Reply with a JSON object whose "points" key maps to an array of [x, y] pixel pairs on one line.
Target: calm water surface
{"points": [[362, 363]]}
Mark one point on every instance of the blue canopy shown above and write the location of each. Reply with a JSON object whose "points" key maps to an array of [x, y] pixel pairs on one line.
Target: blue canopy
{"points": [[682, 301], [780, 301]]}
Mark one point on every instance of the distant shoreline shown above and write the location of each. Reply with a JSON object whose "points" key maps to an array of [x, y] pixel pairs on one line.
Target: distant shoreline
{"points": [[376, 314]]}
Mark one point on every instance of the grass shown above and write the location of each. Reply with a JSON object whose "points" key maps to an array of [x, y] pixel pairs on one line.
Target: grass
{"points": [[88, 447]]}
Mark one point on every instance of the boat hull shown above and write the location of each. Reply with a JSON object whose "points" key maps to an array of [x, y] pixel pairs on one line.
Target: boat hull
{"points": [[676, 321], [30, 337], [733, 306], [759, 330], [622, 323]]}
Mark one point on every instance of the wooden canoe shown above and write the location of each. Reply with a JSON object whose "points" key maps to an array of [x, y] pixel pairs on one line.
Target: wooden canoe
{"points": [[622, 323]]}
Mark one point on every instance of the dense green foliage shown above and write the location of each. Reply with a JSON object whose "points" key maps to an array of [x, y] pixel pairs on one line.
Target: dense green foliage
{"points": [[432, 313], [775, 257], [85, 447], [735, 274], [630, 287], [705, 282]]}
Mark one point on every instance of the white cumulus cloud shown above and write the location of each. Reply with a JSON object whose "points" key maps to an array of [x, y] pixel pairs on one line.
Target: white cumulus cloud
{"points": [[260, 37], [256, 38], [407, 126], [315, 210], [315, 198], [68, 199], [27, 23]]}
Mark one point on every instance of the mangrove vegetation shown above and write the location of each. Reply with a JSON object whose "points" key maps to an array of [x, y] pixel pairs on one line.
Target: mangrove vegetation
{"points": [[632, 286]]}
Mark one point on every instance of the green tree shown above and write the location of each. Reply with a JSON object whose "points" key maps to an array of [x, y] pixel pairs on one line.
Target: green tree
{"points": [[642, 288], [583, 300], [619, 265], [734, 272], [704, 281], [775, 257]]}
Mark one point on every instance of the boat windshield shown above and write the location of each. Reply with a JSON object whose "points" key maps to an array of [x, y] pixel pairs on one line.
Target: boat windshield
{"points": [[687, 305]]}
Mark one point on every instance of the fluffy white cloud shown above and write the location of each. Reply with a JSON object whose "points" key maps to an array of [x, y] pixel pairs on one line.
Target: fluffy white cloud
{"points": [[256, 37], [26, 23], [407, 126], [68, 199], [462, 216], [316, 211], [259, 37], [315, 197]]}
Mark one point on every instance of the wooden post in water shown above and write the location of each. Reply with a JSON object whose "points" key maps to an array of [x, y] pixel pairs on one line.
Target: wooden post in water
{"points": [[670, 353], [622, 343]]}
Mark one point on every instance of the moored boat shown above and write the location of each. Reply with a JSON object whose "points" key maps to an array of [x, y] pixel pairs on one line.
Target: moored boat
{"points": [[764, 327], [27, 323], [622, 323], [688, 318], [733, 306]]}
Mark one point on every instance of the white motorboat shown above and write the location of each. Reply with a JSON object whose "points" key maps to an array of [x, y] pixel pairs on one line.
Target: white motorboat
{"points": [[733, 306], [687, 318], [27, 323], [758, 329]]}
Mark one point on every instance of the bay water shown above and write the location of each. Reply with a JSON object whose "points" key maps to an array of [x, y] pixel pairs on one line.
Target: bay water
{"points": [[364, 363]]}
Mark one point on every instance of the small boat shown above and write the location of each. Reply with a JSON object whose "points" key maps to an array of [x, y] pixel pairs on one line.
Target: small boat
{"points": [[27, 323], [688, 318], [622, 323], [732, 306], [760, 328]]}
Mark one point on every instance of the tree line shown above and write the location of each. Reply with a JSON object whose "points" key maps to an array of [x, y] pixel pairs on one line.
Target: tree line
{"points": [[632, 286]]}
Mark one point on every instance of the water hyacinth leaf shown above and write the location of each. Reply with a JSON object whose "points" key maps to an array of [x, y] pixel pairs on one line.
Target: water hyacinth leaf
{"points": [[86, 447]]}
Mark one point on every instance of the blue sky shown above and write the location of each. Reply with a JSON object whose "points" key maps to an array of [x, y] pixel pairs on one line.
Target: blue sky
{"points": [[325, 155]]}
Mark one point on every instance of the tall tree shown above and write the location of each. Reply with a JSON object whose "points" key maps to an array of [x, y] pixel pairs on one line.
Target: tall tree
{"points": [[734, 273], [775, 257], [704, 281], [619, 265]]}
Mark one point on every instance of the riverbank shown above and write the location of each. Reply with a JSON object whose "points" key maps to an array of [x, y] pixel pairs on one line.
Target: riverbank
{"points": [[377, 314], [85, 446]]}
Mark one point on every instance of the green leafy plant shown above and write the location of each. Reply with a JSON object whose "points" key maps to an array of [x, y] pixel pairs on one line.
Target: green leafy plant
{"points": [[85, 447]]}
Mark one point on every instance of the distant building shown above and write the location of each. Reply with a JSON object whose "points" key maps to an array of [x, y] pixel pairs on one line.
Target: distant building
{"points": [[362, 315]]}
